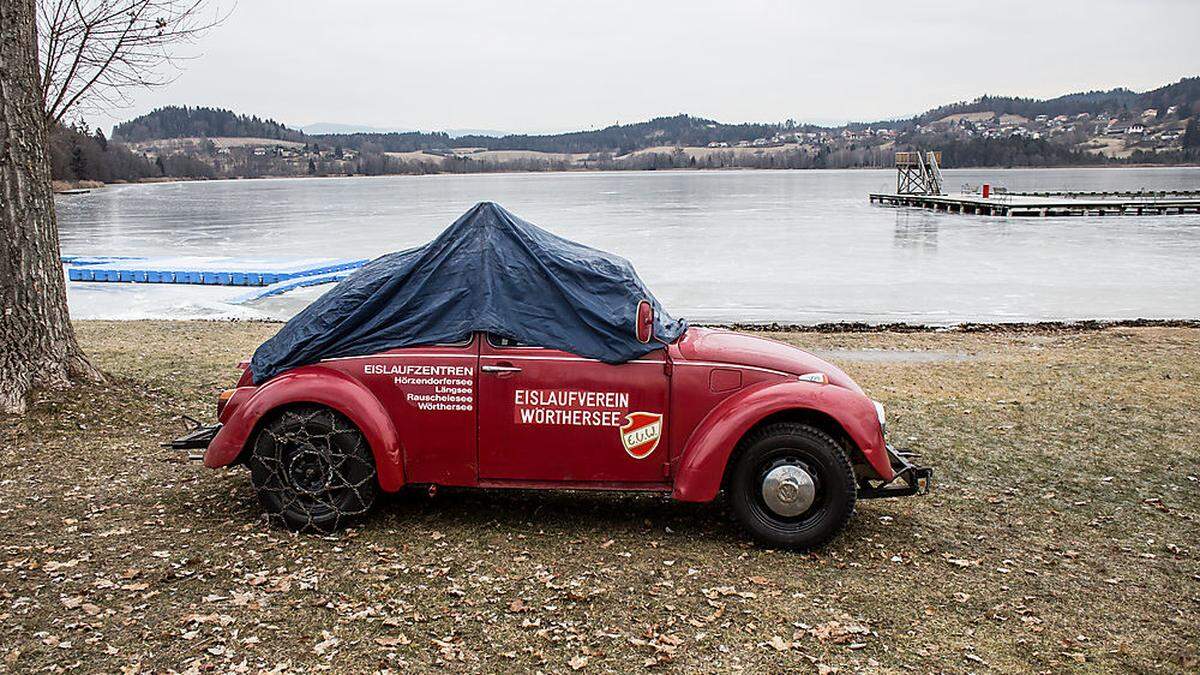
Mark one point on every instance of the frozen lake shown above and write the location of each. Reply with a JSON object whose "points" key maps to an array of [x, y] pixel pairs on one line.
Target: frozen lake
{"points": [[792, 246]]}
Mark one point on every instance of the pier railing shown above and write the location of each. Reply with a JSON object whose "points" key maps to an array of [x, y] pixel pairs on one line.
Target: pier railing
{"points": [[1108, 194]]}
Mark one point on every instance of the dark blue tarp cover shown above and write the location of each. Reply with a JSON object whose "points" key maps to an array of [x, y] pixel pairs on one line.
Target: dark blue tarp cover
{"points": [[489, 271]]}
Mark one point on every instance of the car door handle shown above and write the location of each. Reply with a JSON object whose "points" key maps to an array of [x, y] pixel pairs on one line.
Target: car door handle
{"points": [[500, 369]]}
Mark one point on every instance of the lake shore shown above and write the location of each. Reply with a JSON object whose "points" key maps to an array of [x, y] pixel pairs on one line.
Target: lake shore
{"points": [[61, 185], [1059, 536]]}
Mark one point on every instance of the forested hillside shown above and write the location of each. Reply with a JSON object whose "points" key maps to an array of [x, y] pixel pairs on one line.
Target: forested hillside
{"points": [[1183, 94], [185, 122], [78, 154], [1088, 128], [680, 130]]}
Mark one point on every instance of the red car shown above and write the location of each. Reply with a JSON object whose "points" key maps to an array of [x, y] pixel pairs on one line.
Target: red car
{"points": [[789, 438]]}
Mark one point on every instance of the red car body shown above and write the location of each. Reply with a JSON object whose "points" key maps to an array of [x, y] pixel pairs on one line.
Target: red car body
{"points": [[482, 414]]}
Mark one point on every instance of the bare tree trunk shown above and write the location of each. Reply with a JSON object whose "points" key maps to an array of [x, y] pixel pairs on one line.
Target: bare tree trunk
{"points": [[37, 342]]}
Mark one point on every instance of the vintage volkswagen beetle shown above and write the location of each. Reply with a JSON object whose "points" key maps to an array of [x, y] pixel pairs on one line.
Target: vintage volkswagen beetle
{"points": [[409, 374]]}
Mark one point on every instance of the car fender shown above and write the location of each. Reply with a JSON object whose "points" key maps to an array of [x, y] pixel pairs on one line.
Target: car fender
{"points": [[323, 386], [703, 460]]}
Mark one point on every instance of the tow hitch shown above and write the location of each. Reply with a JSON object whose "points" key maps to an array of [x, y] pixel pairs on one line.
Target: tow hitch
{"points": [[909, 479], [196, 440]]}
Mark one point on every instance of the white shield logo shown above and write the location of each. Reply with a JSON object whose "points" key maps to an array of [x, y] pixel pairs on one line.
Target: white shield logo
{"points": [[641, 433]]}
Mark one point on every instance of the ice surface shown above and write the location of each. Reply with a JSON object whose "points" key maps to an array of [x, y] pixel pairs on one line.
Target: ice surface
{"points": [[791, 246]]}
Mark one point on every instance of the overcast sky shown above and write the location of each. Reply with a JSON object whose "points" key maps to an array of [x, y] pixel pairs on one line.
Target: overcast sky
{"points": [[541, 66]]}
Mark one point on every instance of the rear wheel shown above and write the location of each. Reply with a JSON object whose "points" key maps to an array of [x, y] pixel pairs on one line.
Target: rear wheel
{"points": [[313, 469], [792, 486]]}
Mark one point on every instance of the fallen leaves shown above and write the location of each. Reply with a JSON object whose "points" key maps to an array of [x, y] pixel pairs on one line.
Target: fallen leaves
{"points": [[723, 591], [779, 644], [392, 641], [839, 631], [327, 644], [959, 562], [168, 567]]}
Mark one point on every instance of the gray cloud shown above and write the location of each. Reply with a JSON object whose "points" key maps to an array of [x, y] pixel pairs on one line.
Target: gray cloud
{"points": [[543, 65]]}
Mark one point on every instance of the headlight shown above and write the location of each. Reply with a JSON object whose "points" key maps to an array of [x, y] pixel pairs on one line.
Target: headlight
{"points": [[881, 415]]}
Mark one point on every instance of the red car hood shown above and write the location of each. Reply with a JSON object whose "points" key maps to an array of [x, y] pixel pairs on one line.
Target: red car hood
{"points": [[722, 346]]}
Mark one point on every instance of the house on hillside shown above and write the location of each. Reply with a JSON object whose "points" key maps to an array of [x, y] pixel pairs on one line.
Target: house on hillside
{"points": [[1135, 130], [1149, 113]]}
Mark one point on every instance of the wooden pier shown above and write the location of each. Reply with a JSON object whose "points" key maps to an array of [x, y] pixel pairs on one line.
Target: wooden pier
{"points": [[1061, 204], [919, 185]]}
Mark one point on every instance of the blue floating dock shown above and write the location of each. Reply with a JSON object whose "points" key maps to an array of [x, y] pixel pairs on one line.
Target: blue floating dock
{"points": [[209, 271], [281, 287]]}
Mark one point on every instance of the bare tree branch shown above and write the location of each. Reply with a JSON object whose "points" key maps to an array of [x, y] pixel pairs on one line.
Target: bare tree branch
{"points": [[93, 52]]}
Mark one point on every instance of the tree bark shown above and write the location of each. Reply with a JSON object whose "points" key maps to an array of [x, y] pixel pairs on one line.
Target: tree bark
{"points": [[37, 343]]}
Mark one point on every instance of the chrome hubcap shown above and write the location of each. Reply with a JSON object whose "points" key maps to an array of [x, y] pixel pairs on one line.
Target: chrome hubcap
{"points": [[788, 490]]}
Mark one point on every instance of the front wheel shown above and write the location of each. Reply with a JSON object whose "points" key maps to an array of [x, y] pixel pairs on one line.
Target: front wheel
{"points": [[792, 486], [313, 469]]}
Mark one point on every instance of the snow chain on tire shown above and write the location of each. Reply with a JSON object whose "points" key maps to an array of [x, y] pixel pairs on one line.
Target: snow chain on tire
{"points": [[313, 469]]}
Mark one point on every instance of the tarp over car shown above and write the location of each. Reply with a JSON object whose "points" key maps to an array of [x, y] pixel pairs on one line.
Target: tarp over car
{"points": [[489, 271]]}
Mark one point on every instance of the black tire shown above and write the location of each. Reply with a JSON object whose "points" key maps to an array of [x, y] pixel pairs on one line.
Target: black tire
{"points": [[312, 469], [829, 471]]}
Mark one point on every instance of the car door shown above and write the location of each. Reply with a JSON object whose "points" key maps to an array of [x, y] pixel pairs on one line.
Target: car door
{"points": [[430, 393], [551, 416]]}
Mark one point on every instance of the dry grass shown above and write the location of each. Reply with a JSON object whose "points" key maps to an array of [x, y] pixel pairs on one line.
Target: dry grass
{"points": [[64, 185], [1061, 535]]}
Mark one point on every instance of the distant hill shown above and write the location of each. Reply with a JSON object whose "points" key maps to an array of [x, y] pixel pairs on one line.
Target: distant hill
{"points": [[331, 128], [680, 130], [1160, 126], [459, 133], [320, 128], [1184, 94], [675, 131], [186, 122]]}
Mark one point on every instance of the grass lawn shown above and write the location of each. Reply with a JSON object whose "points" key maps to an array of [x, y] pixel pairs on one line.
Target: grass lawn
{"points": [[1062, 534]]}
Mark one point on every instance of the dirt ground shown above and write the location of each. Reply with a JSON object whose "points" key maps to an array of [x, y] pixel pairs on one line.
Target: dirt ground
{"points": [[1061, 534]]}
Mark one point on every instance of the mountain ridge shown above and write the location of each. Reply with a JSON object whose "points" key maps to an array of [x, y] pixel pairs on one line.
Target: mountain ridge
{"points": [[1115, 126], [680, 129]]}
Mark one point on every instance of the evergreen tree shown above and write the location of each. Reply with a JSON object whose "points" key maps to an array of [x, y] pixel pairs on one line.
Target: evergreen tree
{"points": [[78, 163], [1191, 136]]}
